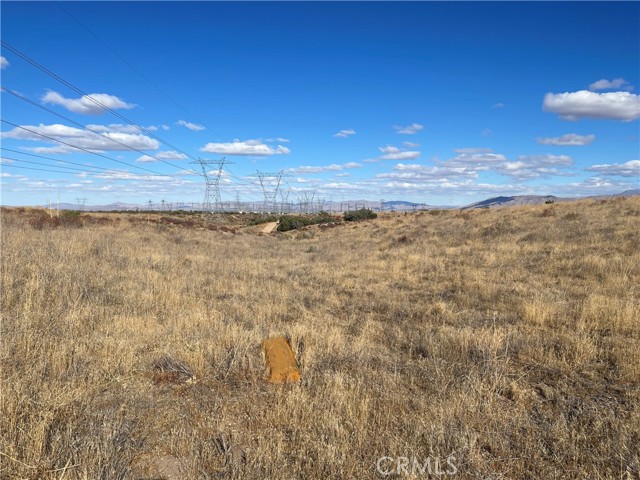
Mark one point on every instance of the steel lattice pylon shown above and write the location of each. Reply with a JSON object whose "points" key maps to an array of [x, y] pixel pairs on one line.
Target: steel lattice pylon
{"points": [[270, 183], [212, 198]]}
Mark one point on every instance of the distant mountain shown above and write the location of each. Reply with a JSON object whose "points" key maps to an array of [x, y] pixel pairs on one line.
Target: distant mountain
{"points": [[515, 200], [627, 193], [539, 199], [334, 207]]}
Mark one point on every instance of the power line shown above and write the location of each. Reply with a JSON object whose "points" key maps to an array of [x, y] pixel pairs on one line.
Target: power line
{"points": [[25, 99], [88, 167], [84, 149], [48, 72], [144, 77], [40, 163], [31, 168]]}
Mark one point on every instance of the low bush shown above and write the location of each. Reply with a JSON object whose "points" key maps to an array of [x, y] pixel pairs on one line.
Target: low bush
{"points": [[357, 215], [292, 222]]}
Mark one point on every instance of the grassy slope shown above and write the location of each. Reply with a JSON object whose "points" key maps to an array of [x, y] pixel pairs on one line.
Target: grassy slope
{"points": [[506, 338]]}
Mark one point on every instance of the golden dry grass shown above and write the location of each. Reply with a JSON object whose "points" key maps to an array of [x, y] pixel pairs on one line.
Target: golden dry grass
{"points": [[507, 338]]}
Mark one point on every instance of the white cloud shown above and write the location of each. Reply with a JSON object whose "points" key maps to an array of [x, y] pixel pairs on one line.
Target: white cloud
{"points": [[610, 84], [411, 144], [408, 155], [277, 140], [478, 161], [409, 129], [535, 166], [191, 126], [498, 105], [92, 104], [424, 173], [573, 106], [89, 140], [120, 128], [473, 150], [170, 155], [391, 152], [165, 127], [4, 63], [389, 149], [121, 175], [487, 132], [628, 169], [247, 147], [569, 139], [345, 133], [146, 159], [394, 153], [325, 168]]}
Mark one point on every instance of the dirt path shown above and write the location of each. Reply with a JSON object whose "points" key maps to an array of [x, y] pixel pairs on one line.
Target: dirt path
{"points": [[269, 227]]}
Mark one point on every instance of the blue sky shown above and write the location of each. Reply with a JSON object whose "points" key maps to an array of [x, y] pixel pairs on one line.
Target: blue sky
{"points": [[438, 103]]}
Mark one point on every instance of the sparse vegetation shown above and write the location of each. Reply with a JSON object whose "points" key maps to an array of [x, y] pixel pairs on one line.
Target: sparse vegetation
{"points": [[357, 215], [293, 222], [507, 338]]}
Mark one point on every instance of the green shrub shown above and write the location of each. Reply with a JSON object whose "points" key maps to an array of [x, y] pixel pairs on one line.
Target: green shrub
{"points": [[292, 222], [357, 215]]}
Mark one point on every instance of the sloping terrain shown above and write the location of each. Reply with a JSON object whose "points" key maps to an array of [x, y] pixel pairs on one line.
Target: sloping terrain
{"points": [[505, 340]]}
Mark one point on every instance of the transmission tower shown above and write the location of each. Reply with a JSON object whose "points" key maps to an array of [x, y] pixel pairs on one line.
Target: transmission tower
{"points": [[81, 202], [212, 183], [270, 183]]}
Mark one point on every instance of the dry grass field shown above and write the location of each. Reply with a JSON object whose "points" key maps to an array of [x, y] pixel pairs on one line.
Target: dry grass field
{"points": [[505, 340]]}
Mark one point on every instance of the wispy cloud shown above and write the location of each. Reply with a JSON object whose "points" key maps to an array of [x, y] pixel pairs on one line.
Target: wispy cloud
{"points": [[497, 105], [345, 133], [191, 126], [247, 147], [90, 140], [394, 153], [324, 168], [628, 169], [4, 63], [92, 104], [535, 166], [569, 139], [573, 106], [409, 129], [473, 150], [119, 128], [605, 84]]}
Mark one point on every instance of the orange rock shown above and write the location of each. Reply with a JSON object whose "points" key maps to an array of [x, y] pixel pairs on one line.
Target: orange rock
{"points": [[281, 361]]}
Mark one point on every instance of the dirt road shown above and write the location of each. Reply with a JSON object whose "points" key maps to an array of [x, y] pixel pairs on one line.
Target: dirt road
{"points": [[269, 227]]}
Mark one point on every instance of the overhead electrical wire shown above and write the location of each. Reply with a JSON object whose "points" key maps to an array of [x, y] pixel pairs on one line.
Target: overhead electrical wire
{"points": [[31, 168], [144, 77], [44, 164], [83, 149], [25, 99], [49, 165], [92, 167], [116, 114], [68, 84]]}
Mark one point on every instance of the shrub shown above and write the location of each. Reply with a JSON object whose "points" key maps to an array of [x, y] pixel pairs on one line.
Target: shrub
{"points": [[357, 215], [292, 222]]}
